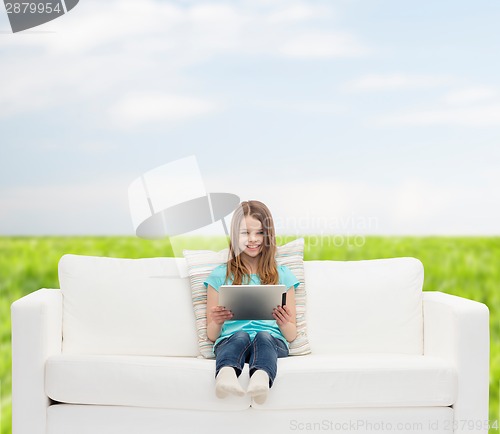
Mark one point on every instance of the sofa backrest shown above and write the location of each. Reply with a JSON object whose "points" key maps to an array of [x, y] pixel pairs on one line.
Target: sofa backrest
{"points": [[127, 306], [372, 306], [144, 306]]}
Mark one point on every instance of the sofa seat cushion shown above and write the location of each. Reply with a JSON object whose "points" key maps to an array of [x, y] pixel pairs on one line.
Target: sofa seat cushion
{"points": [[362, 380], [312, 381], [140, 381]]}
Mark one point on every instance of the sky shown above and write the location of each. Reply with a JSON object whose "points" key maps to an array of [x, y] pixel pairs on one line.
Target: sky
{"points": [[343, 116]]}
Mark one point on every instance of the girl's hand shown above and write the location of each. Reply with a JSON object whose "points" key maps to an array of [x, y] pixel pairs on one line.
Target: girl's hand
{"points": [[219, 314], [282, 315]]}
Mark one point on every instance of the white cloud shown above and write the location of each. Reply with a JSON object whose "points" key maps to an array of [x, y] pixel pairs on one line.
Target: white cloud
{"points": [[474, 106], [66, 79], [91, 147], [418, 201], [100, 48], [309, 45], [308, 107], [470, 95], [292, 13], [413, 206], [136, 109], [187, 31], [96, 207], [474, 117], [396, 81]]}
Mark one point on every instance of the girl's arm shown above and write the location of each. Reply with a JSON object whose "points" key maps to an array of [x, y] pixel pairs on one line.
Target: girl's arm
{"points": [[216, 315], [285, 316]]}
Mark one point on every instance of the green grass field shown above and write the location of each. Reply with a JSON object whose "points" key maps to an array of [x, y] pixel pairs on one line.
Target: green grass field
{"points": [[464, 266]]}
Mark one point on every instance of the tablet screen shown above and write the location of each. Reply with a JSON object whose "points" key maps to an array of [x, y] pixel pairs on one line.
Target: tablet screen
{"points": [[251, 302]]}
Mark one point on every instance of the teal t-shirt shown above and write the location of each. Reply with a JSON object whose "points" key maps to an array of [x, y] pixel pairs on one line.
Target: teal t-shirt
{"points": [[252, 327]]}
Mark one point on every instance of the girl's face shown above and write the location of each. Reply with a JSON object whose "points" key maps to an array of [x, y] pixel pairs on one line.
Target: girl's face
{"points": [[251, 236]]}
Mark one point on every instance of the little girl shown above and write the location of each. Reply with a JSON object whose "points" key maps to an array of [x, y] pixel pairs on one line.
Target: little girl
{"points": [[252, 251]]}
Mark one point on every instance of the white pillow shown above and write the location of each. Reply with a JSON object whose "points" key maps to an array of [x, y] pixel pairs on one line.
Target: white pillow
{"points": [[370, 306], [126, 306], [201, 263]]}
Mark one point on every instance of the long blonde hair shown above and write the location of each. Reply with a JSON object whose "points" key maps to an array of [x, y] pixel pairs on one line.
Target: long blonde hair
{"points": [[266, 267]]}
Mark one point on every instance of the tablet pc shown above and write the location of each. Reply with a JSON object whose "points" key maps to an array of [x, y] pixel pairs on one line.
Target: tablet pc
{"points": [[249, 302]]}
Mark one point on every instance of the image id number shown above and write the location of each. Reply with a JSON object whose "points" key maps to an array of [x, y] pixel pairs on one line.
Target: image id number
{"points": [[33, 8]]}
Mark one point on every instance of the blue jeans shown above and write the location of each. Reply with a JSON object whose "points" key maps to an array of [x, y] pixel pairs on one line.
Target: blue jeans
{"points": [[260, 353]]}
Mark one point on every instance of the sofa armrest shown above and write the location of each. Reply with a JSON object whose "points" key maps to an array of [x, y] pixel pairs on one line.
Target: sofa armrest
{"points": [[36, 335], [457, 329]]}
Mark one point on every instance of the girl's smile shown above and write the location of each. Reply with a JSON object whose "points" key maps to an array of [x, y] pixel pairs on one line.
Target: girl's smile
{"points": [[252, 250]]}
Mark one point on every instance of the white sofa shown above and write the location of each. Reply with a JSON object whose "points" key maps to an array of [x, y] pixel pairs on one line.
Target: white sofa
{"points": [[115, 352]]}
